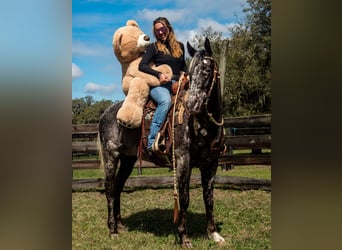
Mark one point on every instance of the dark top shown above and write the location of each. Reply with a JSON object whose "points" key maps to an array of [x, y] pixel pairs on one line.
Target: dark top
{"points": [[158, 57]]}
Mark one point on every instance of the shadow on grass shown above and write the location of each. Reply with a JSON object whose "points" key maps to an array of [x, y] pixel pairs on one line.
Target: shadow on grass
{"points": [[160, 223]]}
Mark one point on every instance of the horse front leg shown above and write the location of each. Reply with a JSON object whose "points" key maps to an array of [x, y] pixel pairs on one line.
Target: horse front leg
{"points": [[183, 173], [208, 173]]}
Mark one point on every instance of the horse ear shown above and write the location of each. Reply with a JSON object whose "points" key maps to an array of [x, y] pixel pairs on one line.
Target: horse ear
{"points": [[208, 47], [191, 50]]}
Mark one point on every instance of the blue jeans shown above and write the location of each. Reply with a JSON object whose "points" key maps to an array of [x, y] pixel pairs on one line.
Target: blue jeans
{"points": [[161, 95]]}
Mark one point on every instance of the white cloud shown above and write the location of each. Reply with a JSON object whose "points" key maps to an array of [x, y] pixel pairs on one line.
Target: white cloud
{"points": [[105, 90], [224, 28], [218, 9], [189, 35], [202, 15], [76, 71], [171, 14]]}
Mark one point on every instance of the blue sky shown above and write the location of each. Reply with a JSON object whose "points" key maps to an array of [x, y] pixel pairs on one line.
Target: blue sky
{"points": [[95, 69]]}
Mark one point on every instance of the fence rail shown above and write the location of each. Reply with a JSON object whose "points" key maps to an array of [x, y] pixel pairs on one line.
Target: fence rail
{"points": [[167, 181], [242, 133], [252, 133]]}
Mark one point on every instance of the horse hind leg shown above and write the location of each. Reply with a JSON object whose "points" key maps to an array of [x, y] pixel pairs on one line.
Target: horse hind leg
{"points": [[110, 164], [207, 177], [125, 170], [114, 184]]}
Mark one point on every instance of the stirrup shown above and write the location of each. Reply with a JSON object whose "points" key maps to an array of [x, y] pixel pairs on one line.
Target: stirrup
{"points": [[158, 147]]}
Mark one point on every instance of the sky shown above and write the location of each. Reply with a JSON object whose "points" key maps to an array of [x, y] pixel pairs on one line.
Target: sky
{"points": [[96, 71]]}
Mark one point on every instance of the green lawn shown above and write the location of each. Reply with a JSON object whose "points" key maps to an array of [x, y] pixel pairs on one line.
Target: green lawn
{"points": [[255, 171], [243, 218]]}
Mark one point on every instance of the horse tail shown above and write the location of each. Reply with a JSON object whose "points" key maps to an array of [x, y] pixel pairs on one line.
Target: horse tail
{"points": [[99, 147]]}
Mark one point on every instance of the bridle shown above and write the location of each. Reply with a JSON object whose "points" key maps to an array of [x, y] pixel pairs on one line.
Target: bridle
{"points": [[215, 79]]}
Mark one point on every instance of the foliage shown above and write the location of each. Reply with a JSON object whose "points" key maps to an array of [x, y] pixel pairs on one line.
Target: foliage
{"points": [[86, 111], [248, 91], [215, 38]]}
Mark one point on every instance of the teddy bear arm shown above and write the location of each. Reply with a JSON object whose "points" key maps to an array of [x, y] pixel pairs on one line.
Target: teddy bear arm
{"points": [[126, 82], [153, 81], [165, 69], [150, 80]]}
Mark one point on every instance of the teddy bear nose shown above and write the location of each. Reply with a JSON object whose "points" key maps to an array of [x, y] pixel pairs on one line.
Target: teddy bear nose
{"points": [[146, 38]]}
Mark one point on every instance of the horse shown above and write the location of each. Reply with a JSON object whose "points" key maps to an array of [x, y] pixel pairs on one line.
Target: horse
{"points": [[197, 142]]}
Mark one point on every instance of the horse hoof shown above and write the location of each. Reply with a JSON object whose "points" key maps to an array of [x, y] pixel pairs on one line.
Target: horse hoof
{"points": [[217, 237], [186, 243], [113, 235], [122, 228]]}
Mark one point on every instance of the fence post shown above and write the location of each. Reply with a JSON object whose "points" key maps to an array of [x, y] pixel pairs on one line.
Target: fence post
{"points": [[230, 166], [222, 66], [139, 170], [230, 150]]}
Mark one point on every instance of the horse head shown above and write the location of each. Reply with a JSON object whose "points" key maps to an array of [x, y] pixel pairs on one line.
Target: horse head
{"points": [[202, 72]]}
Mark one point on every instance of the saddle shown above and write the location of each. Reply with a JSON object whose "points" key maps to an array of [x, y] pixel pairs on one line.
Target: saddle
{"points": [[161, 154]]}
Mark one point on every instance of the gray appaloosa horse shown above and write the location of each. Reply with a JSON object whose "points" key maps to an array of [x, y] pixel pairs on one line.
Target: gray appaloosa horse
{"points": [[198, 141]]}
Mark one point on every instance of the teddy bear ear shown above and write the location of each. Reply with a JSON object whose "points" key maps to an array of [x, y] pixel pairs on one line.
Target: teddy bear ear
{"points": [[119, 40], [132, 23]]}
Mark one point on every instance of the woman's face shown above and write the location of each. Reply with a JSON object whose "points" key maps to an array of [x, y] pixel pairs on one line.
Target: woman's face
{"points": [[161, 31]]}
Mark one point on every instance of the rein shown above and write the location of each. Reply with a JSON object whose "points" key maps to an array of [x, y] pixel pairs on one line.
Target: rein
{"points": [[215, 76], [218, 142], [175, 189]]}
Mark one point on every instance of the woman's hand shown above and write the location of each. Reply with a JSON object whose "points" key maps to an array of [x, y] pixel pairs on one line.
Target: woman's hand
{"points": [[163, 78]]}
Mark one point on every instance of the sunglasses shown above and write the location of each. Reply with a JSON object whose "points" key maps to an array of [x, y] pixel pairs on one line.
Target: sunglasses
{"points": [[162, 29]]}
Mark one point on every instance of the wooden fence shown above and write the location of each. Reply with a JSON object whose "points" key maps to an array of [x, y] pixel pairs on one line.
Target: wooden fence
{"points": [[252, 133]]}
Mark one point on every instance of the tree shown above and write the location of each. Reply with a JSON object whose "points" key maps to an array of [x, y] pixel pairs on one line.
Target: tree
{"points": [[86, 110], [79, 105], [249, 63], [214, 37], [247, 79]]}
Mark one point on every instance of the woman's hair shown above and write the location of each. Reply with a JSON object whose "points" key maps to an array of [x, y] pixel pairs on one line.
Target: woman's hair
{"points": [[176, 51]]}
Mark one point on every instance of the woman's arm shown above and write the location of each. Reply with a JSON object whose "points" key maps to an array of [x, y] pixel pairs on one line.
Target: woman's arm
{"points": [[146, 59]]}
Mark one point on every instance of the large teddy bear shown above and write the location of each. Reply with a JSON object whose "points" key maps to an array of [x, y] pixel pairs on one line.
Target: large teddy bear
{"points": [[129, 44]]}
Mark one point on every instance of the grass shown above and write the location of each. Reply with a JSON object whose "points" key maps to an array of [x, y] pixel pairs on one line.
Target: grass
{"points": [[256, 171], [242, 217]]}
